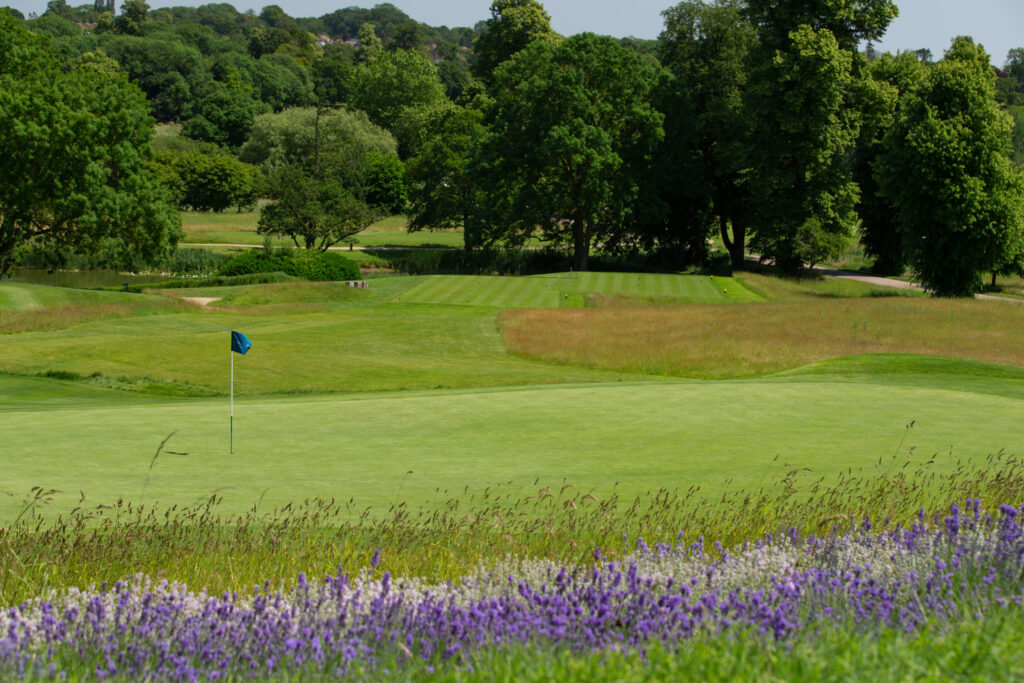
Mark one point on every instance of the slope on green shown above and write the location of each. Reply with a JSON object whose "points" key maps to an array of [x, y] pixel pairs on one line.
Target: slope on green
{"points": [[385, 448]]}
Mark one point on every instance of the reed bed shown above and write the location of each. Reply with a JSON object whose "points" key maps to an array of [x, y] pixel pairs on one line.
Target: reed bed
{"points": [[744, 339]]}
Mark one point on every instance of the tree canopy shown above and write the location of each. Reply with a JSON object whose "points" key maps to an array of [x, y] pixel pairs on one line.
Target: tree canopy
{"points": [[513, 25], [573, 129], [74, 169], [328, 174], [947, 171]]}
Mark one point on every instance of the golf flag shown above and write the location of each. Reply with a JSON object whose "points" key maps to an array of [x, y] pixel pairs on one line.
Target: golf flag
{"points": [[240, 343]]}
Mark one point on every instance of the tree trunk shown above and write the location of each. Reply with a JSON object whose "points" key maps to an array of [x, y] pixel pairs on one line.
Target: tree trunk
{"points": [[736, 244], [580, 245]]}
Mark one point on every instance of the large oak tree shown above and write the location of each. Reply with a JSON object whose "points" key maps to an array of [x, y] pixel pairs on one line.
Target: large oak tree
{"points": [[573, 131]]}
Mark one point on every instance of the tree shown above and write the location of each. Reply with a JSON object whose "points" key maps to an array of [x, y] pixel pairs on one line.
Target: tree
{"points": [[803, 193], [384, 179], [393, 81], [850, 22], [573, 129], [369, 44], [333, 73], [947, 171], [706, 45], [210, 181], [291, 137], [172, 75], [73, 173], [323, 174], [440, 186], [888, 77], [314, 209], [282, 82], [801, 105], [513, 25], [133, 14], [225, 116]]}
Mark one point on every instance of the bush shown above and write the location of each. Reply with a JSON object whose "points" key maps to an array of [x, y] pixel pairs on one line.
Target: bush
{"points": [[209, 181], [309, 265]]}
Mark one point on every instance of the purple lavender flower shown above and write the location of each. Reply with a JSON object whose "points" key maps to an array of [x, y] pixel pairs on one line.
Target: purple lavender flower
{"points": [[779, 585]]}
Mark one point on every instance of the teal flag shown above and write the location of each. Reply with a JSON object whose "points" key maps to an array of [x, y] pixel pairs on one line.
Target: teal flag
{"points": [[240, 343]]}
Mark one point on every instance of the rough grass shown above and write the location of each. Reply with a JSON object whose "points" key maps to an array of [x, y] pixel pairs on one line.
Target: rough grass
{"points": [[203, 545], [814, 287], [38, 308], [708, 342], [19, 296]]}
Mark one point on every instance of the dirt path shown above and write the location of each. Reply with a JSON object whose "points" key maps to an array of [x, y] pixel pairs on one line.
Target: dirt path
{"points": [[898, 284], [870, 279]]}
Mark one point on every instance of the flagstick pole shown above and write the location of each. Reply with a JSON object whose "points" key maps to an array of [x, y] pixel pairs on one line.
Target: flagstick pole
{"points": [[232, 422]]}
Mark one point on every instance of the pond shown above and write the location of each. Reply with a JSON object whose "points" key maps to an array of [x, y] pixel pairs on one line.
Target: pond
{"points": [[83, 279]]}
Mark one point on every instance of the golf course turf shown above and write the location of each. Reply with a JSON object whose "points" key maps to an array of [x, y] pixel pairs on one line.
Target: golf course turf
{"points": [[389, 395]]}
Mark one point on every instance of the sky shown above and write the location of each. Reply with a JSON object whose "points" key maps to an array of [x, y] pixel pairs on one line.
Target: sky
{"points": [[932, 24]]}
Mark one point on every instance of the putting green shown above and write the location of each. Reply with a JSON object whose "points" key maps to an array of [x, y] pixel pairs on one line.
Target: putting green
{"points": [[390, 447]]}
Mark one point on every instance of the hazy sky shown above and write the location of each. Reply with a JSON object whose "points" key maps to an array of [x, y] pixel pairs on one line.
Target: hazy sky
{"points": [[996, 24]]}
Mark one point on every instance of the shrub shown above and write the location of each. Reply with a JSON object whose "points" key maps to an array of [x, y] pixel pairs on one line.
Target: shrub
{"points": [[309, 265], [211, 181]]}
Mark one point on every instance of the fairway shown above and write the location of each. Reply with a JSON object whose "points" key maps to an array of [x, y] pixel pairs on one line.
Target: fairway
{"points": [[231, 227], [564, 290], [408, 389], [386, 448]]}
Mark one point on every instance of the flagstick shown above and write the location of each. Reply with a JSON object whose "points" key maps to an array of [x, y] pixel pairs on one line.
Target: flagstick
{"points": [[232, 422]]}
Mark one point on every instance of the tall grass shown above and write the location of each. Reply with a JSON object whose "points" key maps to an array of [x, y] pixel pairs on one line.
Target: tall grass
{"points": [[723, 341], [201, 547]]}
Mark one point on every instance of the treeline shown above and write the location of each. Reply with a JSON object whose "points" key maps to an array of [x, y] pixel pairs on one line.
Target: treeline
{"points": [[771, 124]]}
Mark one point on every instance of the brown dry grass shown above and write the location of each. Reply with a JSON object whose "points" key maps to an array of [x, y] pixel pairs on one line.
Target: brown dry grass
{"points": [[722, 341]]}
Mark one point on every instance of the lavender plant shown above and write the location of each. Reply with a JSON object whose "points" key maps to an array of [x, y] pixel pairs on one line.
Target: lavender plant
{"points": [[964, 565]]}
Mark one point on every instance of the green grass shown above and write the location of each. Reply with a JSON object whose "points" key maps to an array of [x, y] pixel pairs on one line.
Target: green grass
{"points": [[347, 390], [233, 227], [970, 649], [630, 437], [563, 290], [19, 296], [408, 409]]}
